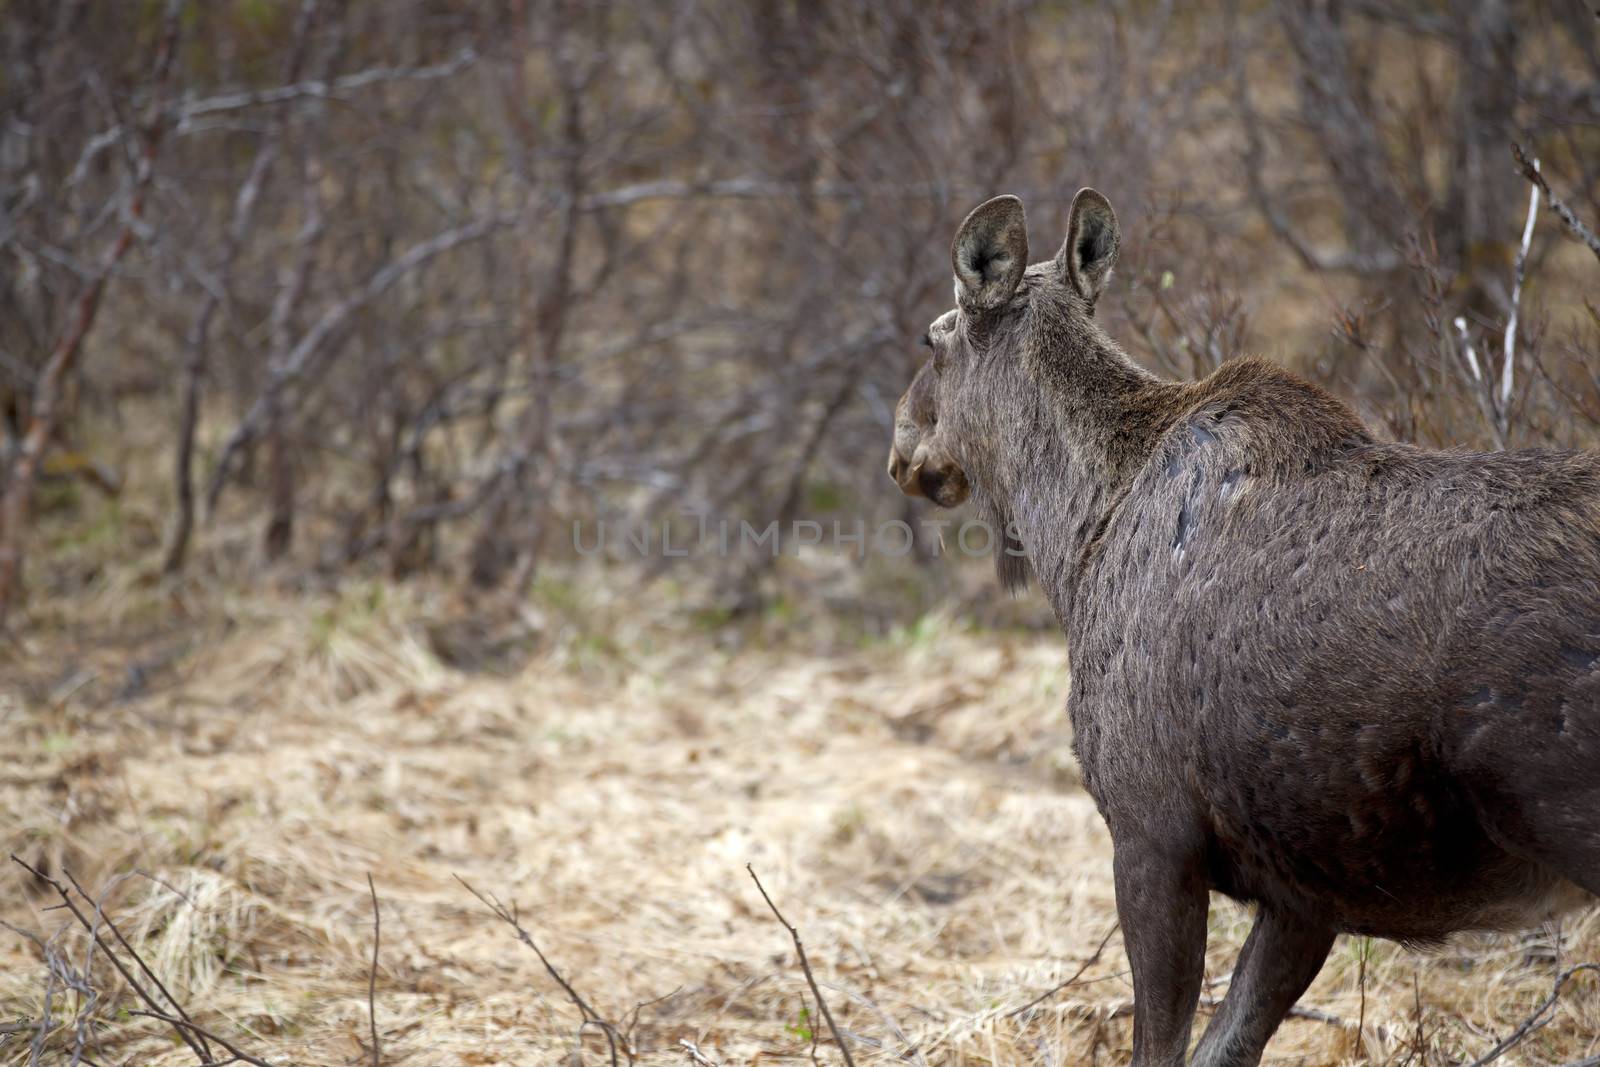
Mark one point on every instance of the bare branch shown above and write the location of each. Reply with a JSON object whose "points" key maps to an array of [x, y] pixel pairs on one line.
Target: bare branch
{"points": [[1537, 1018], [1509, 365], [190, 110], [372, 973], [197, 339], [1530, 171], [805, 965], [199, 1031], [16, 504], [1094, 957], [139, 990], [311, 350], [161, 987], [615, 1039], [696, 1057], [1267, 202], [181, 115]]}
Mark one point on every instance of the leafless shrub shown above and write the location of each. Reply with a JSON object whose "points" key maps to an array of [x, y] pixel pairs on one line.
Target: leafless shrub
{"points": [[413, 289], [146, 986]]}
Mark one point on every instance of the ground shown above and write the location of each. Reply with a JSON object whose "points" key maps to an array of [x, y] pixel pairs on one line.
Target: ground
{"points": [[909, 801]]}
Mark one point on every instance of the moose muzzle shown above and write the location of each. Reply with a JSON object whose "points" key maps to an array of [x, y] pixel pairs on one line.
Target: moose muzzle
{"points": [[931, 474]]}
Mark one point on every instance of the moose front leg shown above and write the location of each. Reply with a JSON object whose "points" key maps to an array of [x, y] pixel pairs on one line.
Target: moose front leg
{"points": [[1161, 903], [1280, 958]]}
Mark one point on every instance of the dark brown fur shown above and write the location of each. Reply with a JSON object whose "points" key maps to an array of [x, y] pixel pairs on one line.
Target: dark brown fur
{"points": [[1354, 683]]}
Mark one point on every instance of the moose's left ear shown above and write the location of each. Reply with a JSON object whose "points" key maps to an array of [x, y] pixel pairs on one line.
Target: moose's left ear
{"points": [[1087, 256], [989, 254]]}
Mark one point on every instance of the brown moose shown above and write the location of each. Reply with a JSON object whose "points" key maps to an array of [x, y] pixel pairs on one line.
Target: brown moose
{"points": [[1356, 684]]}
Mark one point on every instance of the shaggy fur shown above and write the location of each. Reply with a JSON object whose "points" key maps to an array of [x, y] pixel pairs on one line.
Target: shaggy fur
{"points": [[1354, 683]]}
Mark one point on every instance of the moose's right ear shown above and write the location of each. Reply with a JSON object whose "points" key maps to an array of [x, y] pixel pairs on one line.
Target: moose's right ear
{"points": [[989, 254], [1090, 250]]}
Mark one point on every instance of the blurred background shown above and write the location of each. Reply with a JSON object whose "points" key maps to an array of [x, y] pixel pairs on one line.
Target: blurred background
{"points": [[405, 289], [323, 322]]}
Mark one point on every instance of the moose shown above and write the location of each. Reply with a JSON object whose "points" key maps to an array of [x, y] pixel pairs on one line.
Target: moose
{"points": [[1355, 684]]}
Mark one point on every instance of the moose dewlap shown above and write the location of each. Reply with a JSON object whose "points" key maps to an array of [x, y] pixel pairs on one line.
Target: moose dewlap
{"points": [[1356, 684]]}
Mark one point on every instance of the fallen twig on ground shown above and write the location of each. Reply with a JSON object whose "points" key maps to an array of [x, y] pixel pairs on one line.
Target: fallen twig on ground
{"points": [[1094, 958], [912, 1051], [1537, 1018], [182, 1025], [696, 1057]]}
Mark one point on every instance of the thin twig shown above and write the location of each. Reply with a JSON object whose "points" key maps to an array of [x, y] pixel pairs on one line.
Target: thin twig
{"points": [[197, 338], [633, 1016], [613, 1036], [42, 1026], [1267, 201], [811, 1030], [1313, 1015], [1361, 983], [805, 965], [181, 114], [139, 990], [1466, 348], [372, 974], [200, 1031], [1508, 367], [195, 1036], [696, 1057], [100, 915], [912, 1052], [1419, 1048], [302, 360], [1536, 1020], [323, 90], [1077, 974], [1317, 1015], [1530, 171]]}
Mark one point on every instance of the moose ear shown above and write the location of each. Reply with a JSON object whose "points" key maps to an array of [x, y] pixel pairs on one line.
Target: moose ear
{"points": [[990, 253], [1091, 246]]}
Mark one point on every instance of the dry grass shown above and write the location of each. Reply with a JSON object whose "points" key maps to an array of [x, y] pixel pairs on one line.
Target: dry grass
{"points": [[909, 803]]}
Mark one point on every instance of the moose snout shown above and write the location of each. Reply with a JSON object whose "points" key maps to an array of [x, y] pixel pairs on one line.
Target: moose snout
{"points": [[944, 484], [901, 471], [929, 475]]}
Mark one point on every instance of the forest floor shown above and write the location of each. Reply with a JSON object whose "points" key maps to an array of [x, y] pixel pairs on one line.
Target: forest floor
{"points": [[910, 803]]}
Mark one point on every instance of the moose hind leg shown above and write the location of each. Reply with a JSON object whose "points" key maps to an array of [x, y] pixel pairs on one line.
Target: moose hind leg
{"points": [[1280, 958], [1553, 823], [1161, 903]]}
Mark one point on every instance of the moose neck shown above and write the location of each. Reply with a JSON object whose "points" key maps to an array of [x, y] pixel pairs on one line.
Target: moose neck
{"points": [[1096, 421]]}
